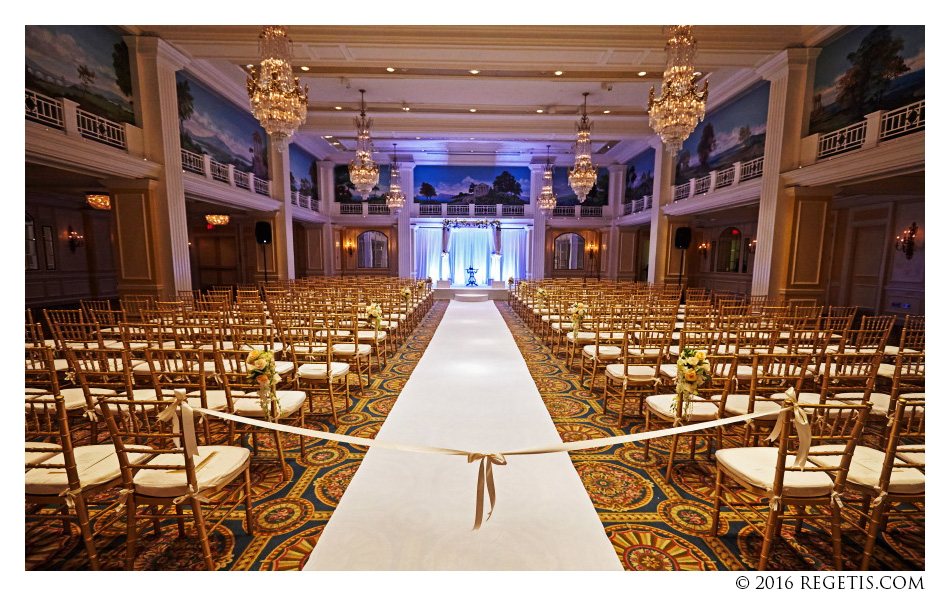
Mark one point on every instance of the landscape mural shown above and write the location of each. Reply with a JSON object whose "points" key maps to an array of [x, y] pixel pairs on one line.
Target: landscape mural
{"points": [[567, 197], [88, 64], [303, 172], [639, 176], [211, 125], [733, 132], [345, 192], [481, 185], [870, 68]]}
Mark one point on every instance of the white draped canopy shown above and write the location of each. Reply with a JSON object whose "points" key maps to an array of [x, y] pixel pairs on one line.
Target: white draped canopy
{"points": [[471, 247]]}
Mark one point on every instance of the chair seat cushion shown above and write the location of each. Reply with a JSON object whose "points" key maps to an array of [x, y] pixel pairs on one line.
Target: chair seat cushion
{"points": [[912, 454], [668, 370], [319, 371], [349, 349], [602, 352], [895, 350], [701, 409], [217, 399], [95, 464], [738, 404], [283, 367], [371, 335], [756, 466], [633, 372], [290, 402], [35, 457], [879, 401], [866, 466], [582, 337], [215, 466], [73, 397]]}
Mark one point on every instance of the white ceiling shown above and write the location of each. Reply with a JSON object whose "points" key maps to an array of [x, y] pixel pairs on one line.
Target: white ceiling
{"points": [[516, 79]]}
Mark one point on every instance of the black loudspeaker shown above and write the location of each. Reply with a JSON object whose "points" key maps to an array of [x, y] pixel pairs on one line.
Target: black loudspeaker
{"points": [[263, 234], [683, 237]]}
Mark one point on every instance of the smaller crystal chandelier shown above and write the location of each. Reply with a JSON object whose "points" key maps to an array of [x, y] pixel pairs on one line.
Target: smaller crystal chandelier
{"points": [[276, 97], [681, 105], [546, 199], [397, 198], [584, 173], [364, 173], [217, 220], [99, 201]]}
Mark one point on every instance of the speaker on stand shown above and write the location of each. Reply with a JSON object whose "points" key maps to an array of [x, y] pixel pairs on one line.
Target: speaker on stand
{"points": [[262, 232], [681, 240]]}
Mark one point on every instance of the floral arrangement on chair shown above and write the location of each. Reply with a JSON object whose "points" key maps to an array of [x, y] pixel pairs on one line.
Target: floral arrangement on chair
{"points": [[261, 369], [511, 281], [542, 295], [578, 312], [523, 287], [375, 314], [406, 294], [421, 284], [692, 370]]}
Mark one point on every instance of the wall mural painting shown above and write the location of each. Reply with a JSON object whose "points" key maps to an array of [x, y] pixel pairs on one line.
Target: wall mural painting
{"points": [[211, 125], [639, 176], [567, 197], [481, 185], [345, 192], [870, 68], [88, 64], [733, 132], [303, 172]]}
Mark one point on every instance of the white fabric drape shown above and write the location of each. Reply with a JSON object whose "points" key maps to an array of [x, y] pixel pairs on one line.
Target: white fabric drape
{"points": [[470, 247], [514, 253], [428, 257]]}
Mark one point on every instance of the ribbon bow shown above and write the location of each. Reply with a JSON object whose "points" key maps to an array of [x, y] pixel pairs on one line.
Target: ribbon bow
{"points": [[187, 419], [800, 419], [485, 480]]}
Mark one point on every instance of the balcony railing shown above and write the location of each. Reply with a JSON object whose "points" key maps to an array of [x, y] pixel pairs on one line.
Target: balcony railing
{"points": [[485, 210], [376, 209], [592, 211], [45, 110], [351, 208], [219, 172], [457, 209], [512, 210], [242, 180], [294, 197], [99, 129], [715, 180], [628, 208], [876, 127], [563, 211], [262, 187], [192, 162], [430, 210], [638, 205], [203, 165]]}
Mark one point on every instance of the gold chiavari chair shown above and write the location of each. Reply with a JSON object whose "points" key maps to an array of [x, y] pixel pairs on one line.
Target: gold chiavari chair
{"points": [[42, 379], [644, 351], [177, 471], [188, 370], [610, 326], [769, 474], [133, 306], [312, 352], [347, 345], [103, 372], [63, 477]]}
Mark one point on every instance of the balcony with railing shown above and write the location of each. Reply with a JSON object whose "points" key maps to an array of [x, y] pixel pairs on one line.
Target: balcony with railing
{"points": [[875, 128], [203, 165], [719, 179], [638, 205], [471, 210], [64, 114]]}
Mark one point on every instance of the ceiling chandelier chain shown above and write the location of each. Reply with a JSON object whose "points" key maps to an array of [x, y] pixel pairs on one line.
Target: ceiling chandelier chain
{"points": [[364, 173], [277, 100], [397, 198], [584, 173], [681, 105], [546, 199]]}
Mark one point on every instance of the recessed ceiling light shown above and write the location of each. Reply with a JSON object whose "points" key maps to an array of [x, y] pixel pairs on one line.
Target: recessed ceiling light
{"points": [[250, 65], [540, 111], [471, 138], [327, 136], [473, 71], [405, 108], [642, 73], [473, 110], [390, 69], [337, 107], [417, 138], [558, 73], [606, 111], [698, 74], [304, 68]]}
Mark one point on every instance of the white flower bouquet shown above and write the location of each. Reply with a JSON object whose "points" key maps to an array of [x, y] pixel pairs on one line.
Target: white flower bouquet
{"points": [[511, 281], [692, 370], [578, 312], [542, 295], [262, 370], [375, 314], [406, 294]]}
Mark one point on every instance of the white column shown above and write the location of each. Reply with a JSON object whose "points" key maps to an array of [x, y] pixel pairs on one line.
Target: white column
{"points": [[406, 248], [279, 162], [536, 265], [787, 71], [659, 228], [618, 177], [153, 64], [325, 196]]}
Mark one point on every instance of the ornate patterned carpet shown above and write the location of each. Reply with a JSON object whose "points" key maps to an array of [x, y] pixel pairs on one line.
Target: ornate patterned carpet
{"points": [[654, 525], [651, 524]]}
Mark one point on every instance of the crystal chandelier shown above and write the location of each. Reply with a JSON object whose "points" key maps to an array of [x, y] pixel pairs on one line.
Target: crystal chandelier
{"points": [[681, 104], [584, 173], [397, 198], [547, 200], [217, 220], [99, 201], [364, 173], [276, 97]]}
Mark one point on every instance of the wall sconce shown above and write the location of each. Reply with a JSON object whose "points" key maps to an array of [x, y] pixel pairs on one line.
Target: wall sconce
{"points": [[591, 250], [99, 201], [704, 249], [750, 247], [906, 241], [349, 246], [74, 238]]}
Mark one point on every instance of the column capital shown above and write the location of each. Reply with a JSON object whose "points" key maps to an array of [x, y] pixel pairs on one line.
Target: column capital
{"points": [[165, 54], [779, 65], [656, 142], [536, 167], [616, 168]]}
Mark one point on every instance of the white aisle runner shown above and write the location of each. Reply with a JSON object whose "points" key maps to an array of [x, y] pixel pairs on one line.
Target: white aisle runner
{"points": [[413, 511]]}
